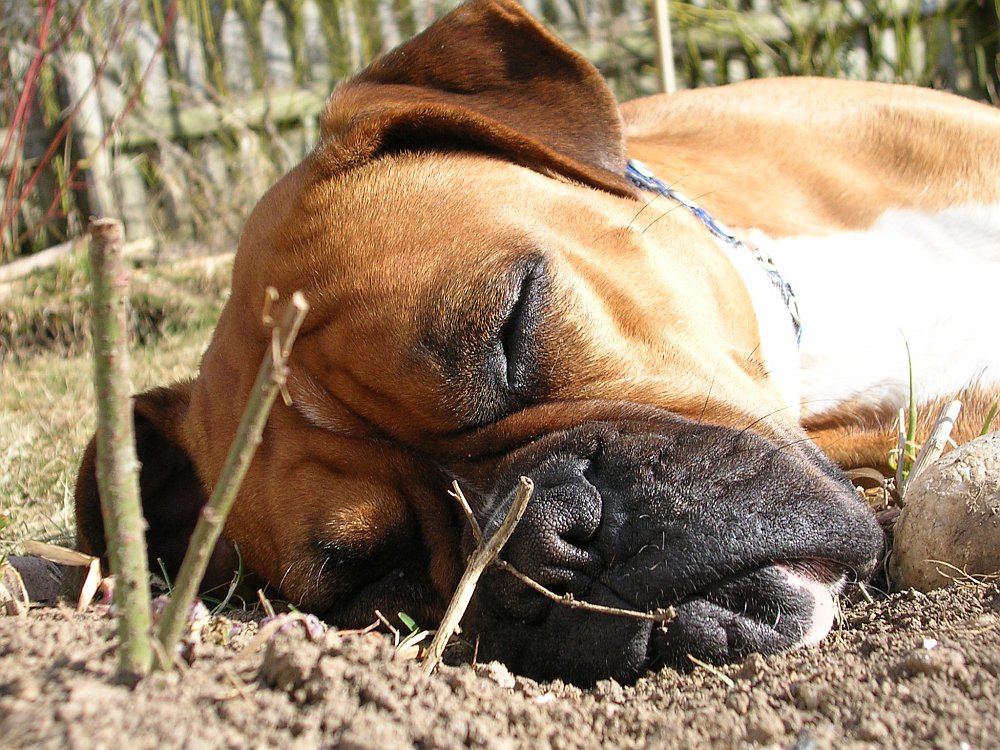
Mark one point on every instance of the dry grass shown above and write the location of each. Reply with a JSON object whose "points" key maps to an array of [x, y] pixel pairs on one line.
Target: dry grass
{"points": [[47, 402]]}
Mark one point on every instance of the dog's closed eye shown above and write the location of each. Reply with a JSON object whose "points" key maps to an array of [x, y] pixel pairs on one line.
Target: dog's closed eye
{"points": [[517, 336]]}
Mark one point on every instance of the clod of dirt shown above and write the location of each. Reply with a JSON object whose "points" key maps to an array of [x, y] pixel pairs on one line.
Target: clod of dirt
{"points": [[288, 663], [950, 525], [931, 658]]}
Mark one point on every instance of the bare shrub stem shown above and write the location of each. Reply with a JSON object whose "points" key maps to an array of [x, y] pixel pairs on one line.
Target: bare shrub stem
{"points": [[117, 465], [270, 379]]}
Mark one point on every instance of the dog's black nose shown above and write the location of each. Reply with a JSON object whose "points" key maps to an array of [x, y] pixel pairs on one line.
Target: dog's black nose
{"points": [[748, 539]]}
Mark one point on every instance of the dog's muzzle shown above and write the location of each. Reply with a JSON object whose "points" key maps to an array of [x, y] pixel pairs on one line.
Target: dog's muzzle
{"points": [[747, 539]]}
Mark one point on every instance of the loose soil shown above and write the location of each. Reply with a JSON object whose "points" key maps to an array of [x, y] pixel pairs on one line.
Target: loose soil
{"points": [[910, 671]]}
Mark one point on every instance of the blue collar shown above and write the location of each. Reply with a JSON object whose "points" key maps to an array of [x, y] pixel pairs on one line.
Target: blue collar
{"points": [[642, 177]]}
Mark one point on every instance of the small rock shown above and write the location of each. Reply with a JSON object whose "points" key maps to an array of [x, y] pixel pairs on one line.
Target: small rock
{"points": [[42, 579], [765, 727], [932, 661], [808, 696], [498, 673], [950, 524], [288, 662], [23, 686], [753, 667], [739, 701], [13, 595], [370, 728], [609, 690], [873, 730]]}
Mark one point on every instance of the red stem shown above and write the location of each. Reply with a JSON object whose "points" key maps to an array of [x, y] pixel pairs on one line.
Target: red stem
{"points": [[19, 123], [60, 136]]}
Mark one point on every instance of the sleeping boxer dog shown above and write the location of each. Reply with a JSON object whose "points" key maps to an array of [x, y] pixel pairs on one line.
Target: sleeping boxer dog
{"points": [[497, 291]]}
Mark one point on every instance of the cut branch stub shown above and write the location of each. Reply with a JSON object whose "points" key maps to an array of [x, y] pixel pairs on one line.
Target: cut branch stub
{"points": [[117, 465], [270, 379]]}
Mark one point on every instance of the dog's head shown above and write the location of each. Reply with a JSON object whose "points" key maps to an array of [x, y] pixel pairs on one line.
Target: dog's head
{"points": [[491, 299]]}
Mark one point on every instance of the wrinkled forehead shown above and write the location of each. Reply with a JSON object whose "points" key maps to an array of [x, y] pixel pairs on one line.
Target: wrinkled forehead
{"points": [[409, 219], [404, 221], [439, 208], [405, 230]]}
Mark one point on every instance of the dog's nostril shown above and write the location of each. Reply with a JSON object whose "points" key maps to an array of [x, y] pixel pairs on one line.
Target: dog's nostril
{"points": [[579, 534]]}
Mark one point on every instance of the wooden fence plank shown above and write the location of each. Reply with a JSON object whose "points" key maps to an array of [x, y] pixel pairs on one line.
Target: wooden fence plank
{"points": [[89, 128], [423, 14], [236, 119], [190, 56], [126, 182], [386, 12], [279, 107], [165, 204], [278, 68], [350, 29], [314, 42], [236, 69]]}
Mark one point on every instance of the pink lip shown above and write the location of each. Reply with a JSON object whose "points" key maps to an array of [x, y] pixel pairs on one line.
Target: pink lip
{"points": [[824, 606]]}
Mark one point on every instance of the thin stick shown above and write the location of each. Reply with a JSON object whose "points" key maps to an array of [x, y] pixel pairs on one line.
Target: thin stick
{"points": [[270, 378], [934, 444], [457, 493], [662, 616], [117, 465], [713, 670], [484, 556]]}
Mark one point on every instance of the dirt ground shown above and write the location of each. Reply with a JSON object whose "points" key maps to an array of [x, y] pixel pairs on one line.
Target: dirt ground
{"points": [[911, 671]]}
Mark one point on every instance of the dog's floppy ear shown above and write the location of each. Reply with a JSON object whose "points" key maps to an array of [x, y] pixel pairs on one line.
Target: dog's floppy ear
{"points": [[486, 77], [172, 494]]}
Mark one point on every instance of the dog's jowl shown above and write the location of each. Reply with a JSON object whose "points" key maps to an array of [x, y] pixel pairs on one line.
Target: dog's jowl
{"points": [[506, 279]]}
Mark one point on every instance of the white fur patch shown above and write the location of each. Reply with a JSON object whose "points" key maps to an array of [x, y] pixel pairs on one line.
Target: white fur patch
{"points": [[778, 351], [926, 280]]}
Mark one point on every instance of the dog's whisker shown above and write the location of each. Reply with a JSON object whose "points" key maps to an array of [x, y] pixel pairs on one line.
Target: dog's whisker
{"points": [[708, 397], [645, 205], [677, 206]]}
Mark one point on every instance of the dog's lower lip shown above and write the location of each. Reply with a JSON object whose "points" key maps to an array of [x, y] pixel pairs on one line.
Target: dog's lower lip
{"points": [[768, 607]]}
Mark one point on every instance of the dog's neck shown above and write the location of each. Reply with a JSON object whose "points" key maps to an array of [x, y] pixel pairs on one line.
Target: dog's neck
{"points": [[872, 304], [641, 176], [774, 301]]}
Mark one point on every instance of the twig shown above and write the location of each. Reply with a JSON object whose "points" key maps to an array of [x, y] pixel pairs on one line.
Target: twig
{"points": [[457, 493], [662, 616], [270, 378], [265, 603], [389, 626], [979, 579], [481, 559], [709, 668], [117, 465], [487, 554], [934, 444]]}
